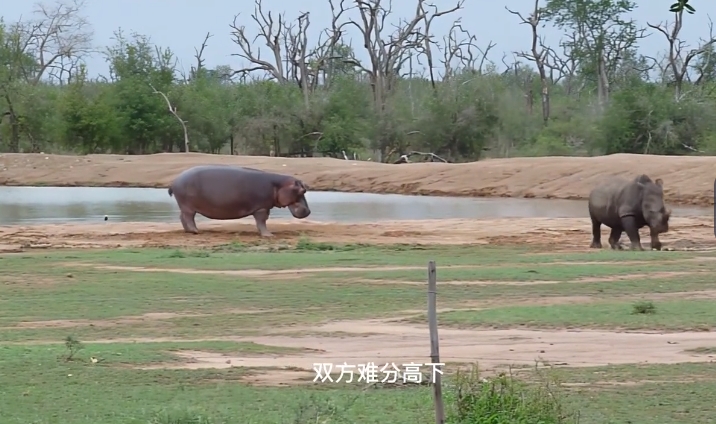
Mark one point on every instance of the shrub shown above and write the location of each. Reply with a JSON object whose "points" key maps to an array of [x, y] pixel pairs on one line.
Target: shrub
{"points": [[505, 400]]}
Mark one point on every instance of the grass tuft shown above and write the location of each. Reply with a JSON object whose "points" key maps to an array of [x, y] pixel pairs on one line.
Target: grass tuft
{"points": [[643, 307], [506, 400]]}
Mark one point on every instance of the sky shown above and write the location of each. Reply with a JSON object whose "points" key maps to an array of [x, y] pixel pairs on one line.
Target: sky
{"points": [[182, 28]]}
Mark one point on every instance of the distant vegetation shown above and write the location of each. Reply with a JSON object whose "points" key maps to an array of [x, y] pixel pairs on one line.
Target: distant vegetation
{"points": [[590, 93]]}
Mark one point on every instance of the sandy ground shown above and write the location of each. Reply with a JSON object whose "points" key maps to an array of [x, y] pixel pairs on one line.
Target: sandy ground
{"points": [[688, 180], [552, 233]]}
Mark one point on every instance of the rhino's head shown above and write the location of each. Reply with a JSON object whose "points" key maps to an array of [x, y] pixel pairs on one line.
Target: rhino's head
{"points": [[652, 206]]}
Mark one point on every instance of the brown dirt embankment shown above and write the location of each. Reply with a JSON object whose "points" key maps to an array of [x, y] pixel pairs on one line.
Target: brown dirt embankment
{"points": [[687, 180]]}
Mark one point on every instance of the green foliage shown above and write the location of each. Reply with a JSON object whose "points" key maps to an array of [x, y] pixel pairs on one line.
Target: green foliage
{"points": [[682, 5], [647, 119], [459, 118], [505, 400]]}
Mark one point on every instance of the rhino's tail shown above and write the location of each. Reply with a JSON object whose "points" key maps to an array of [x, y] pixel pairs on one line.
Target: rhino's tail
{"points": [[171, 192]]}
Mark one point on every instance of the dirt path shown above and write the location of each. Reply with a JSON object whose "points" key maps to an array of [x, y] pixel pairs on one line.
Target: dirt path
{"points": [[383, 342], [557, 233], [688, 180]]}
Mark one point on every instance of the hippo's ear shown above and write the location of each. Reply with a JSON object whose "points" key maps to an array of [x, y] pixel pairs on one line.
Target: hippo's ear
{"points": [[659, 182], [301, 187], [287, 194]]}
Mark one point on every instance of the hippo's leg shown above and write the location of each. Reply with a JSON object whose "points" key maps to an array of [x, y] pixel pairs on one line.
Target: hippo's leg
{"points": [[629, 225], [261, 216], [187, 221], [596, 234], [655, 242], [614, 237]]}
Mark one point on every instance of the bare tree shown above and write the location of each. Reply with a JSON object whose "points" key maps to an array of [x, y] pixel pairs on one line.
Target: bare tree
{"points": [[705, 65], [387, 56], [462, 49], [538, 55], [678, 61], [173, 111], [564, 66], [293, 57], [326, 54], [51, 43], [199, 56], [427, 37], [58, 34], [270, 32], [454, 48]]}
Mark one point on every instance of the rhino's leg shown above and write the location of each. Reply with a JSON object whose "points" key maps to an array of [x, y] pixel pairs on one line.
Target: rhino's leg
{"points": [[655, 242], [596, 234], [614, 237], [629, 225]]}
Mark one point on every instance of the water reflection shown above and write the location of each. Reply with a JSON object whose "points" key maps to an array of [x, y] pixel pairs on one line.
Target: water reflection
{"points": [[86, 204]]}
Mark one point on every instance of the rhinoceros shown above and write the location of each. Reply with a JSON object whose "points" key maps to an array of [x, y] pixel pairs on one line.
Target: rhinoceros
{"points": [[626, 205]]}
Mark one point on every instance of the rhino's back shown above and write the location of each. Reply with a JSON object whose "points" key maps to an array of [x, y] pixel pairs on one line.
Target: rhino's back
{"points": [[608, 199]]}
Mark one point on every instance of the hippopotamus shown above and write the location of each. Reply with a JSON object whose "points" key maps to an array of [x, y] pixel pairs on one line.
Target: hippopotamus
{"points": [[628, 205], [232, 192]]}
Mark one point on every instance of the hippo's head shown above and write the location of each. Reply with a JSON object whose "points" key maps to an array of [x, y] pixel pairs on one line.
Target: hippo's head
{"points": [[653, 208], [291, 194]]}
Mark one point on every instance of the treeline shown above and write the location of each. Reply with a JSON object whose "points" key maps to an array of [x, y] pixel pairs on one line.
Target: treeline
{"points": [[593, 93]]}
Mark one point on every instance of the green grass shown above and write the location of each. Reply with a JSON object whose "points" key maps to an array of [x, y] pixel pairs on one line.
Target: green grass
{"points": [[40, 292], [668, 315], [39, 386], [668, 394]]}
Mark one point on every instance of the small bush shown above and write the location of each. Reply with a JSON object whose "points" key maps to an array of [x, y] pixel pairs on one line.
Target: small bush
{"points": [[504, 400], [181, 416], [643, 307]]}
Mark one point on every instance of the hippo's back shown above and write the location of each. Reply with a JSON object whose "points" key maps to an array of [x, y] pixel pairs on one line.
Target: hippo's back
{"points": [[222, 191]]}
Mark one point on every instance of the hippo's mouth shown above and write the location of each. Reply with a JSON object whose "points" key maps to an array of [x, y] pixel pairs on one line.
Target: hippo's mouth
{"points": [[299, 210]]}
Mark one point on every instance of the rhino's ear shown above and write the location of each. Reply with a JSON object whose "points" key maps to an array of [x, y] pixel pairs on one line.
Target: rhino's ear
{"points": [[659, 182]]}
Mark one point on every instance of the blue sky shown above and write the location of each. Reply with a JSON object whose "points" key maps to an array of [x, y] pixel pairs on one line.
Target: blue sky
{"points": [[183, 25]]}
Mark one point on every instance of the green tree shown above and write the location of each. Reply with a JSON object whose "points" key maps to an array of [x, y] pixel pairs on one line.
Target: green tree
{"points": [[603, 35], [136, 65]]}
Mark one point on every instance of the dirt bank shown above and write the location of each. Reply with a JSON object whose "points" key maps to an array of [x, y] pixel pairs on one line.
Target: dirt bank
{"points": [[554, 234], [688, 180]]}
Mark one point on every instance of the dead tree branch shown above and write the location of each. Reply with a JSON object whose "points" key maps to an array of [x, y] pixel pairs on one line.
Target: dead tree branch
{"points": [[324, 56], [538, 56], [427, 37], [199, 55], [565, 65], [388, 54], [173, 111], [679, 62], [59, 31], [705, 65], [270, 32], [406, 157]]}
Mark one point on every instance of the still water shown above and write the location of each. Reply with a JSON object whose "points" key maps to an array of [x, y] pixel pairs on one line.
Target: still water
{"points": [[28, 205]]}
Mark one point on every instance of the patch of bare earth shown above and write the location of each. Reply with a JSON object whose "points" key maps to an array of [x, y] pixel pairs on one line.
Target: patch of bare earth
{"points": [[257, 272], [555, 234], [612, 278], [491, 349]]}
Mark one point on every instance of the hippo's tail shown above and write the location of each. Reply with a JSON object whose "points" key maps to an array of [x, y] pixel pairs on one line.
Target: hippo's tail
{"points": [[171, 192]]}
